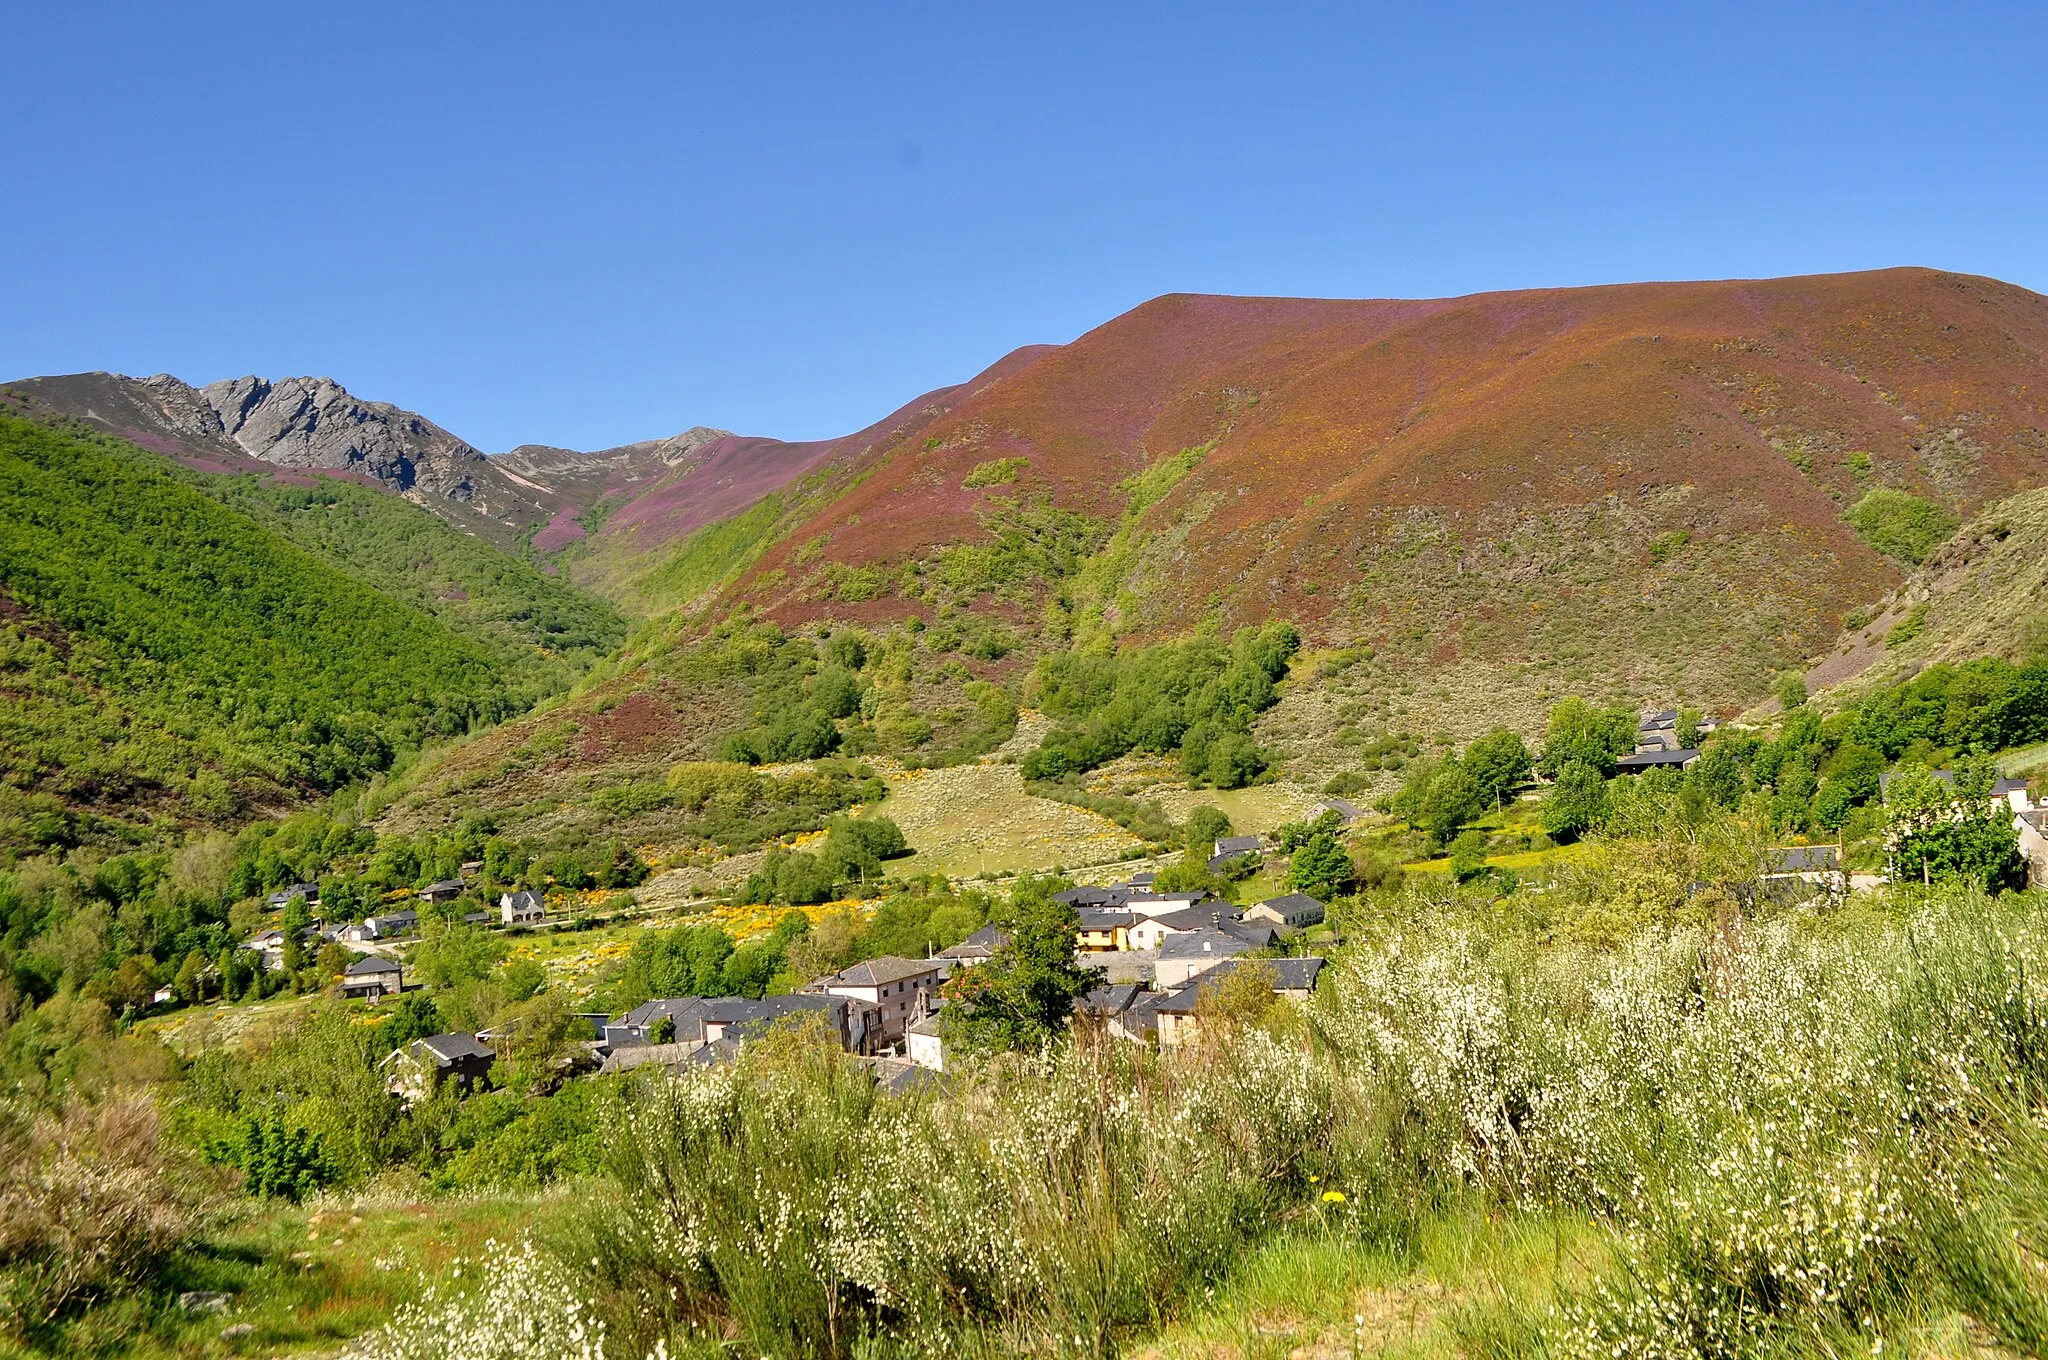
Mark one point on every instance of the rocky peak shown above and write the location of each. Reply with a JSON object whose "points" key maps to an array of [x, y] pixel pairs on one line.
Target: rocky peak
{"points": [[316, 423]]}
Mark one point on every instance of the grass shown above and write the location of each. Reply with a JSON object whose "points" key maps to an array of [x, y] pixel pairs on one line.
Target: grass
{"points": [[967, 820], [305, 1279], [1321, 1292]]}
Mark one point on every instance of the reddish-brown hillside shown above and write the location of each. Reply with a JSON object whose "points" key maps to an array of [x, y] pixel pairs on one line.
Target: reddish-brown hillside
{"points": [[1651, 466]]}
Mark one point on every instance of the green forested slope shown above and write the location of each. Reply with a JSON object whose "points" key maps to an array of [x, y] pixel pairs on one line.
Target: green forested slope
{"points": [[161, 651], [539, 623]]}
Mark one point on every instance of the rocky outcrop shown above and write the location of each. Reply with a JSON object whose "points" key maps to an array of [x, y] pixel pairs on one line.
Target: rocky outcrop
{"points": [[316, 423]]}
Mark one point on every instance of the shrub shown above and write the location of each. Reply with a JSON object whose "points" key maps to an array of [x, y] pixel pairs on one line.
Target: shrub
{"points": [[1900, 524], [90, 1202], [277, 1160], [998, 472]]}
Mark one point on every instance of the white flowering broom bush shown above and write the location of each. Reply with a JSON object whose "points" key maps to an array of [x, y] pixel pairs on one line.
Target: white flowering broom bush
{"points": [[1051, 1204], [514, 1304], [1782, 1126]]}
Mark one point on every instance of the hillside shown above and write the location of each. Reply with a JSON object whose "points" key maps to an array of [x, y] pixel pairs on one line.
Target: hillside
{"points": [[168, 659], [1640, 486], [1470, 507]]}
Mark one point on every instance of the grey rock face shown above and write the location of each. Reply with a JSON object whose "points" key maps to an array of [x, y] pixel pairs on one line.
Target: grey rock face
{"points": [[315, 423]]}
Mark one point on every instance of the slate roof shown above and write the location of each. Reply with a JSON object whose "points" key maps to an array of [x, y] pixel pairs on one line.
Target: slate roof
{"points": [[2037, 818], [1111, 1000], [1106, 918], [746, 1014], [2008, 785], [1642, 760], [446, 885], [639, 1055], [684, 1010], [878, 972], [1237, 845], [1206, 942], [1143, 1013], [1088, 896], [979, 945], [526, 899], [900, 1076], [1346, 810], [1805, 859], [1289, 975], [448, 1049], [284, 895], [370, 966], [1258, 934], [1295, 908], [1180, 918]]}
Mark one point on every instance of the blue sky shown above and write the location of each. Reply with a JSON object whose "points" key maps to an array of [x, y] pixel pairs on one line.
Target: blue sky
{"points": [[582, 225]]}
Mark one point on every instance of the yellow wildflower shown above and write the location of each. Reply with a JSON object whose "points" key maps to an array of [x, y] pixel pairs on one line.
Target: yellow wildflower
{"points": [[1333, 1196]]}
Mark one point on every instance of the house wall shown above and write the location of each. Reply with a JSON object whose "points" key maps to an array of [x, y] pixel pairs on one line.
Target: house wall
{"points": [[1174, 973], [2034, 846], [927, 1050], [893, 1008], [1148, 934]]}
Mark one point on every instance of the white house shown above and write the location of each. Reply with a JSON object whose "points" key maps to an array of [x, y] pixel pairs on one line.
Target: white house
{"points": [[524, 908], [371, 978], [899, 990], [2033, 828], [924, 1046]]}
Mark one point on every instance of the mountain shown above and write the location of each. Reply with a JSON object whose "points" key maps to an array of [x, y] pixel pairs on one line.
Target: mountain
{"points": [[1644, 485], [1469, 506], [647, 493], [179, 645]]}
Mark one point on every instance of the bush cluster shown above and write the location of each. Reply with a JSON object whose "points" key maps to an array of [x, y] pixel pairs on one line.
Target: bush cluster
{"points": [[1192, 699]]}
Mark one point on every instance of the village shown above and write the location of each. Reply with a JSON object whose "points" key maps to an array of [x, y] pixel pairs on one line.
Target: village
{"points": [[1160, 958]]}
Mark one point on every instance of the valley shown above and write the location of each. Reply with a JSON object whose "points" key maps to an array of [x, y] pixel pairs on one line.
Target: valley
{"points": [[1281, 827]]}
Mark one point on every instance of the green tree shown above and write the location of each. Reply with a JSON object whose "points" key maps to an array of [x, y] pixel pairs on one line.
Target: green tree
{"points": [[1598, 737], [1023, 997], [1320, 867], [1689, 727], [1191, 875], [1939, 834], [1205, 826], [1900, 524], [1577, 804], [414, 1017], [522, 978], [1468, 856], [1497, 763], [189, 984], [1791, 691], [1235, 760], [1449, 799]]}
